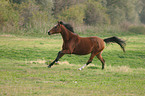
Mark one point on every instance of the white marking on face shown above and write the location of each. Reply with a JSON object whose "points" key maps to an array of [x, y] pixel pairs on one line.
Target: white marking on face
{"points": [[55, 25]]}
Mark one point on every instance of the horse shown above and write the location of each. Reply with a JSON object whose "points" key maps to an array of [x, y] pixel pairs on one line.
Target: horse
{"points": [[74, 44]]}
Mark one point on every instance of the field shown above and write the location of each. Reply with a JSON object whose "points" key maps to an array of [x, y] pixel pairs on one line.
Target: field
{"points": [[24, 72]]}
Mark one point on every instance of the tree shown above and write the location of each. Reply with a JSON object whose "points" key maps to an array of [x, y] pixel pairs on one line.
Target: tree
{"points": [[45, 5], [142, 14], [95, 13], [18, 1], [8, 16], [122, 10], [74, 14], [60, 5]]}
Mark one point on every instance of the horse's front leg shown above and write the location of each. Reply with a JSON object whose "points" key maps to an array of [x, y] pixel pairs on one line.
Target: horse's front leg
{"points": [[60, 54], [67, 51]]}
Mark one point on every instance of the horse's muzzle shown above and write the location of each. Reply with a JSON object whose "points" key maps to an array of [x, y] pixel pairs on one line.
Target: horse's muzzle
{"points": [[49, 33]]}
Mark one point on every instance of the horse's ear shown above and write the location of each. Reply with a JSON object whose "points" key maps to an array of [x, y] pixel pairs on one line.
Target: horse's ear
{"points": [[60, 22]]}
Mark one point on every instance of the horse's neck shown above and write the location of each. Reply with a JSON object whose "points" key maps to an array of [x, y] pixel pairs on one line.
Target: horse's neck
{"points": [[66, 34]]}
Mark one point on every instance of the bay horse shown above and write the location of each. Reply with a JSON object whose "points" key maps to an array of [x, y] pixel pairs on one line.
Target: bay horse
{"points": [[74, 44]]}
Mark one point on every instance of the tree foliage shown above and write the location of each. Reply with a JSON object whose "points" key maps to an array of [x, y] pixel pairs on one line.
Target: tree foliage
{"points": [[122, 10], [38, 14], [8, 16], [24, 14], [74, 13], [142, 14], [18, 1], [59, 5], [95, 13]]}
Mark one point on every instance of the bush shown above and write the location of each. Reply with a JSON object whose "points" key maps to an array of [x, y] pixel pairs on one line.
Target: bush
{"points": [[75, 13], [34, 19], [90, 12], [137, 29], [95, 13], [123, 10], [25, 17], [9, 18], [142, 15]]}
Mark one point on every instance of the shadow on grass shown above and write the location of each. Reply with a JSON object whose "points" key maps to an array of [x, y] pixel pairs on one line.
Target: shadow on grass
{"points": [[93, 67]]}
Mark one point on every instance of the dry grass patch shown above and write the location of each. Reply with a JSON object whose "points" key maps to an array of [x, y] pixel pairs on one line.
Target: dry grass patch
{"points": [[119, 69]]}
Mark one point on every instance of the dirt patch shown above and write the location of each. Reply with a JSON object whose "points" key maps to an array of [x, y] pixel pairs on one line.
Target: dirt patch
{"points": [[7, 36]]}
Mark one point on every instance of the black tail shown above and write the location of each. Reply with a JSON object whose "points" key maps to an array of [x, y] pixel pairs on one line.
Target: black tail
{"points": [[116, 40]]}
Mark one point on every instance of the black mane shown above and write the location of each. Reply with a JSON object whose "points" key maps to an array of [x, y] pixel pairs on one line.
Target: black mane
{"points": [[69, 27]]}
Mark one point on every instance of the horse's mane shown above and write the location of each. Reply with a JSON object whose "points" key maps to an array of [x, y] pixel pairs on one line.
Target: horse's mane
{"points": [[68, 26]]}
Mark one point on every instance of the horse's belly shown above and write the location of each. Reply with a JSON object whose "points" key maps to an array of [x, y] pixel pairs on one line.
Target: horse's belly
{"points": [[82, 50]]}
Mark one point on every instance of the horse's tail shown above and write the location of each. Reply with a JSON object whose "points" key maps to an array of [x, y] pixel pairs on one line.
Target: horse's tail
{"points": [[116, 40]]}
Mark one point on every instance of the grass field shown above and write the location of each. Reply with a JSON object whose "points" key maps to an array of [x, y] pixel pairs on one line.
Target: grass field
{"points": [[24, 72]]}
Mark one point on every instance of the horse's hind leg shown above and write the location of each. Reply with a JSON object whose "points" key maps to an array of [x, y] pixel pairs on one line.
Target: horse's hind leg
{"points": [[89, 61], [60, 54], [101, 59]]}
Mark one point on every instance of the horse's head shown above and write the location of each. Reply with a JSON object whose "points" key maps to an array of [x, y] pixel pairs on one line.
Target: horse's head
{"points": [[56, 28]]}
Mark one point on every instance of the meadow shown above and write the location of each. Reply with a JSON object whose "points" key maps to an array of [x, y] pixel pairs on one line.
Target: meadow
{"points": [[24, 72]]}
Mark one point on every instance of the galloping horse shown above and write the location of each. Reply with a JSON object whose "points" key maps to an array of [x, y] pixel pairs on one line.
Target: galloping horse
{"points": [[74, 44]]}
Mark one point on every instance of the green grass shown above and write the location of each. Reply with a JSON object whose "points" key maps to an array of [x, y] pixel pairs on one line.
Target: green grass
{"points": [[23, 71]]}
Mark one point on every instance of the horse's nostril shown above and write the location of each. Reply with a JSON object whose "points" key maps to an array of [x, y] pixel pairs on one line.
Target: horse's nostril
{"points": [[49, 33]]}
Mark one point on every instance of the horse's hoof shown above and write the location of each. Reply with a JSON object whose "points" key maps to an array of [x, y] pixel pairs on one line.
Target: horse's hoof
{"points": [[80, 69], [49, 66]]}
